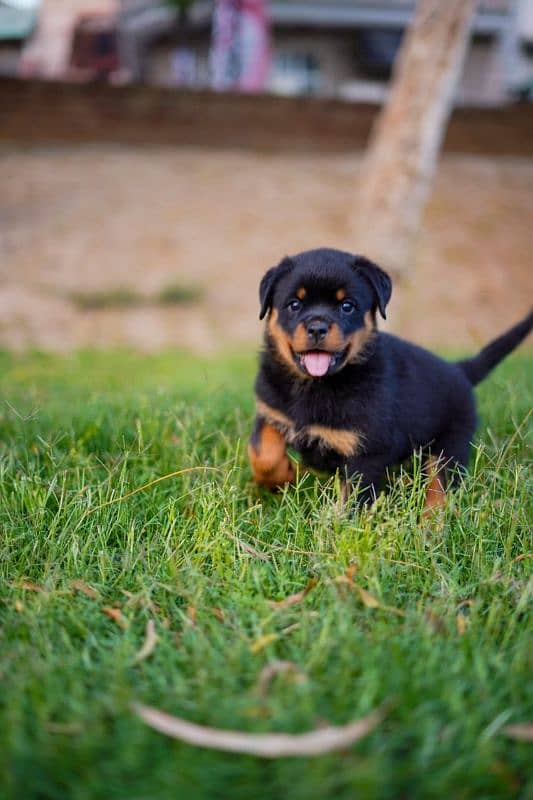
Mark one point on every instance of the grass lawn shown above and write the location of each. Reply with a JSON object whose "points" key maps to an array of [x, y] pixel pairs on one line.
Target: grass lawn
{"points": [[446, 644]]}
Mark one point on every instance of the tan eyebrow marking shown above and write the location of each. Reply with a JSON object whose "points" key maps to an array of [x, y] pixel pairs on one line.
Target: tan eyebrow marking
{"points": [[301, 293], [340, 294]]}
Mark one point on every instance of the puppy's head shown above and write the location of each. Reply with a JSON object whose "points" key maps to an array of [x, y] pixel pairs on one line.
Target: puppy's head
{"points": [[321, 308]]}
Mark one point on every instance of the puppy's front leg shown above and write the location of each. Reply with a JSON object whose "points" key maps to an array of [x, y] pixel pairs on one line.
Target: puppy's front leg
{"points": [[366, 472], [267, 450]]}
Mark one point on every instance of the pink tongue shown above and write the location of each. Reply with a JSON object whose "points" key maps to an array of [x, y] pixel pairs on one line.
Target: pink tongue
{"points": [[316, 363]]}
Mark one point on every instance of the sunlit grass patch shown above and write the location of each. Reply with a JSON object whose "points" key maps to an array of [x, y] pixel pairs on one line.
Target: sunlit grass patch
{"points": [[125, 497]]}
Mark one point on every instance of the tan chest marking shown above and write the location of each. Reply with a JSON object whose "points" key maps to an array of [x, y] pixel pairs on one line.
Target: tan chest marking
{"points": [[345, 442]]}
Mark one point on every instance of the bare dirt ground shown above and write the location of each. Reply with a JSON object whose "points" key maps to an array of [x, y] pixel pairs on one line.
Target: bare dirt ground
{"points": [[88, 218]]}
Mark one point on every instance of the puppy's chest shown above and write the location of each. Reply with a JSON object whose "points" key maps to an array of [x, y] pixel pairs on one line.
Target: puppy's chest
{"points": [[305, 427]]}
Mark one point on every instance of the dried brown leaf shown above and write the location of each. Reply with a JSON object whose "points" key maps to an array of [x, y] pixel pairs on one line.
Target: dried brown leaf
{"points": [[522, 731], [136, 601], [343, 580], [67, 728], [350, 572], [150, 641], [435, 622], [370, 601], [460, 624], [260, 711], [269, 672], [290, 628], [466, 603], [19, 607], [84, 588], [366, 598], [30, 586], [521, 557], [252, 550], [263, 641], [265, 745], [294, 598], [191, 615], [116, 615]]}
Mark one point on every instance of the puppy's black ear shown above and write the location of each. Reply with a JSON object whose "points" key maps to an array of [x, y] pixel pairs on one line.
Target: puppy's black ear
{"points": [[378, 279], [268, 284]]}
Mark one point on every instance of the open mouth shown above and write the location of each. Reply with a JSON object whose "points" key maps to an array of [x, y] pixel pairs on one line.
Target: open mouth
{"points": [[318, 363]]}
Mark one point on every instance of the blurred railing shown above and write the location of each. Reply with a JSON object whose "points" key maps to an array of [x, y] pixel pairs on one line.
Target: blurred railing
{"points": [[490, 17], [501, 6]]}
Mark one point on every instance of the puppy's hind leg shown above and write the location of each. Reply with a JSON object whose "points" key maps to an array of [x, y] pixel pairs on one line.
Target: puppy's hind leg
{"points": [[267, 450], [436, 489], [449, 458]]}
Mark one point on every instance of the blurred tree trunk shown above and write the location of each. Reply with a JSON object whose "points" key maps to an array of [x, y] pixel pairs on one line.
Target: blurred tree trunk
{"points": [[402, 154]]}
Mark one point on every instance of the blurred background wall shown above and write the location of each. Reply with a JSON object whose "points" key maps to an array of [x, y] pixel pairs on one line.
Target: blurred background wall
{"points": [[153, 168]]}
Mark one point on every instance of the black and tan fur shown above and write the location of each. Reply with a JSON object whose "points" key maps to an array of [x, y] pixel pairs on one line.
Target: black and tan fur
{"points": [[381, 398]]}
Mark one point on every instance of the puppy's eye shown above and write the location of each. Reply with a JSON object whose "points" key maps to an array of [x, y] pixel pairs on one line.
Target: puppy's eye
{"points": [[294, 305], [347, 307]]}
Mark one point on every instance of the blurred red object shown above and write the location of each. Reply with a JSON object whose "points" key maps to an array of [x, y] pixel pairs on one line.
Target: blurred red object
{"points": [[94, 54]]}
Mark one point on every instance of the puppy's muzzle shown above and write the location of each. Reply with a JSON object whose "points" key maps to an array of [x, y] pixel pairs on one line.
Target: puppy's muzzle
{"points": [[317, 329]]}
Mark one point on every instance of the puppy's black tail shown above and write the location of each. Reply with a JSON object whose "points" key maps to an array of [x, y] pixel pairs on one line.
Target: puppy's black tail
{"points": [[479, 367]]}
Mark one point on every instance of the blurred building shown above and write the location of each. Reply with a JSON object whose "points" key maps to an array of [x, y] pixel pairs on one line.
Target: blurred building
{"points": [[46, 33], [340, 48], [347, 48], [18, 21]]}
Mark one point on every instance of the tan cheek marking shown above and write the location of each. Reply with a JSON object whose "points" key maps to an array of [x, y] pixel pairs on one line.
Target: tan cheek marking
{"points": [[334, 340], [340, 294], [347, 443], [281, 342], [299, 340], [271, 467], [301, 293], [361, 338]]}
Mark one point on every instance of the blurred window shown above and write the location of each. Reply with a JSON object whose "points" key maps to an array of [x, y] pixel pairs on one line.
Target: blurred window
{"points": [[295, 73], [376, 51], [184, 67]]}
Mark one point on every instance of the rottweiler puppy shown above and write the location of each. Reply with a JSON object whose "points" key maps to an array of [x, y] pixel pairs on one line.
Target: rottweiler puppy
{"points": [[348, 397]]}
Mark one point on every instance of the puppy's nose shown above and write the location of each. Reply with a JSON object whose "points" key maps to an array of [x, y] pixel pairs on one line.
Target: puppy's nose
{"points": [[317, 330]]}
